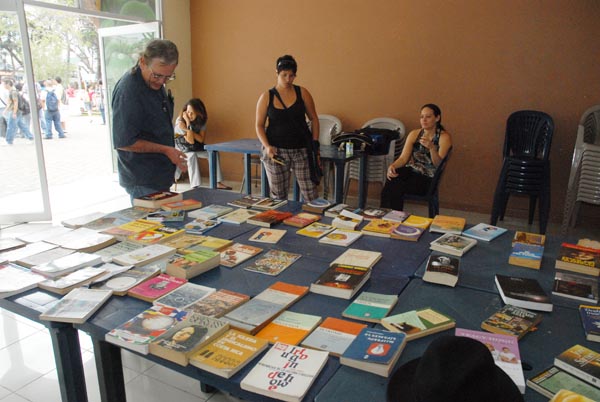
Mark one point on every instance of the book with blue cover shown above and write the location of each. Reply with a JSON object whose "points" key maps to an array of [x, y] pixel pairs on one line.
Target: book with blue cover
{"points": [[483, 231], [590, 319], [374, 350]]}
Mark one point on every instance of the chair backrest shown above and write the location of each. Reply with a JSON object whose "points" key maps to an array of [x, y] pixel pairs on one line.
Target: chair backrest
{"points": [[590, 122], [329, 126], [437, 176], [390, 124], [528, 135]]}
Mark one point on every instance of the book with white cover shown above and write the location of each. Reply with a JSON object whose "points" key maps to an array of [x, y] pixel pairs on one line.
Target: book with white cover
{"points": [[15, 279], [483, 231], [119, 248], [358, 258], [341, 237], [67, 264], [79, 221], [145, 255], [453, 244], [43, 234], [212, 211], [238, 216], [183, 296], [66, 283], [77, 306], [83, 239], [295, 369], [26, 251], [44, 257], [347, 220]]}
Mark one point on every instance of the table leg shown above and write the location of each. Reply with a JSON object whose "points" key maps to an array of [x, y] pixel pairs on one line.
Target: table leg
{"points": [[212, 171], [248, 173], [69, 367], [362, 166], [340, 167], [296, 190], [264, 182], [110, 371]]}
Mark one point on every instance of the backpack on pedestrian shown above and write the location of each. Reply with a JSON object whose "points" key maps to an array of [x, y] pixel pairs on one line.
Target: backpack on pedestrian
{"points": [[23, 105], [51, 102]]}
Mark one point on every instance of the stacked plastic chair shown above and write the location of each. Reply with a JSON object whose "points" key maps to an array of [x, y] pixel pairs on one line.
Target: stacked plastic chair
{"points": [[526, 164], [377, 164], [584, 179], [329, 126]]}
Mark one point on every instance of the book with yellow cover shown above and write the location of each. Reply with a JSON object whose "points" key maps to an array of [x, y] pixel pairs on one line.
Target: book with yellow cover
{"points": [[131, 228], [418, 221], [208, 243], [380, 227], [447, 224], [289, 327], [157, 235], [315, 230]]}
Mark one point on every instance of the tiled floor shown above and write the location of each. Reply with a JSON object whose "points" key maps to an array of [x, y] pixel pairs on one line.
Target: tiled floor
{"points": [[27, 369]]}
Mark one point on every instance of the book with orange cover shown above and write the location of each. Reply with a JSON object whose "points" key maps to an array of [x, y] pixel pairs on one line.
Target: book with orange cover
{"points": [[289, 327], [183, 205], [447, 224], [334, 335], [301, 219]]}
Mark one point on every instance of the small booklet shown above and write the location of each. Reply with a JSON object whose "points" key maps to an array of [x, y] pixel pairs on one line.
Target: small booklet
{"points": [[273, 262]]}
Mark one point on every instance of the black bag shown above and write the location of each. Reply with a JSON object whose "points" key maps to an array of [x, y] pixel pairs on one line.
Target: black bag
{"points": [[23, 105], [380, 139], [361, 142], [185, 146]]}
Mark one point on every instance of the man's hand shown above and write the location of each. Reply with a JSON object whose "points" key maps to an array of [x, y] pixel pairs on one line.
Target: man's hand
{"points": [[178, 158]]}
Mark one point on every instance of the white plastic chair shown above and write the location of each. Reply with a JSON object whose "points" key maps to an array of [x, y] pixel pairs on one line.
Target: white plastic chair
{"points": [[329, 126], [377, 164]]}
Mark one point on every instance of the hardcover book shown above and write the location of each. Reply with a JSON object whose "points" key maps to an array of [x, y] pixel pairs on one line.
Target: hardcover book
{"points": [[396, 216], [67, 264], [229, 353], [590, 319], [82, 239], [155, 236], [341, 281], [371, 307], [551, 380], [379, 227], [237, 216], [269, 203], [289, 327], [341, 237], [523, 292], [447, 224], [453, 244], [317, 206], [269, 218], [183, 339], [347, 220], [333, 335], [273, 262], [212, 211], [200, 226], [442, 269], [166, 216], [65, 284], [315, 230], [124, 281], [358, 258], [285, 372], [416, 221], [246, 201], [270, 236], [374, 350], [584, 260], [155, 200], [250, 317], [483, 231], [418, 323], [218, 303], [526, 255], [405, 232], [156, 287], [582, 362], [193, 264], [183, 205], [144, 255], [511, 320], [137, 333], [76, 306], [504, 350], [577, 287], [184, 296], [15, 279], [238, 253], [301, 219]]}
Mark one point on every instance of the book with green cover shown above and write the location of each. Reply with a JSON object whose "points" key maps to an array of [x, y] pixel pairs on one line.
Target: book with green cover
{"points": [[551, 380], [418, 323], [369, 306]]}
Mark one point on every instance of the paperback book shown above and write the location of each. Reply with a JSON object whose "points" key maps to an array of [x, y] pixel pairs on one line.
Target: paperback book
{"points": [[405, 232], [315, 230], [442, 269], [523, 292], [484, 232], [565, 395], [347, 220], [45, 257], [246, 201], [271, 236], [379, 227], [317, 206], [79, 221], [8, 243], [156, 287], [166, 216], [341, 237], [237, 216], [269, 218], [67, 264], [374, 350], [584, 260], [418, 323], [551, 380], [340, 280], [137, 333], [183, 205], [358, 258], [122, 247], [238, 253], [333, 335], [155, 200], [373, 213], [121, 283], [396, 216], [273, 262], [335, 210], [269, 203], [122, 232], [190, 265], [534, 239], [145, 255], [184, 296], [183, 339], [118, 218], [511, 320], [526, 255], [301, 219], [200, 226], [44, 234], [26, 251], [218, 303], [76, 306], [229, 353], [582, 362], [453, 244], [15, 279], [82, 239], [155, 236], [447, 224], [574, 286], [285, 372], [65, 284], [504, 350], [289, 327], [590, 319], [212, 211], [416, 221], [209, 243], [371, 307]]}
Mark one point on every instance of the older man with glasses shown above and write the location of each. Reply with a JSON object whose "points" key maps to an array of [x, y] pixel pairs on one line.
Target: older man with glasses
{"points": [[142, 124]]}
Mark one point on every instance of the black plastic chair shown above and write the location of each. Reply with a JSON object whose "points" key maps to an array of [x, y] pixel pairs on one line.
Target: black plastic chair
{"points": [[526, 165], [432, 195]]}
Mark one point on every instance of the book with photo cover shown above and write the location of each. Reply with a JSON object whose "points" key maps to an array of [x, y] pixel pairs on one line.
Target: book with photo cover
{"points": [[155, 200], [336, 209], [296, 369], [271, 236], [122, 232], [302, 219], [418, 323], [317, 206], [246, 201], [289, 327], [485, 232], [200, 226], [379, 227], [396, 216], [229, 353], [124, 281], [237, 216], [581, 362], [118, 218], [453, 244], [218, 303], [238, 253], [371, 213], [526, 293], [268, 218], [76, 306], [341, 281], [526, 255], [185, 295], [156, 287], [575, 258], [334, 335], [190, 265], [590, 319], [511, 320], [269, 203], [370, 306], [315, 230], [211, 211], [447, 224], [273, 262], [574, 286], [163, 216], [405, 232], [442, 269], [341, 237], [550, 381], [347, 220], [154, 236]]}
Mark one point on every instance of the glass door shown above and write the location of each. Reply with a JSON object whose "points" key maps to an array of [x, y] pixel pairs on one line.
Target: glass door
{"points": [[24, 186]]}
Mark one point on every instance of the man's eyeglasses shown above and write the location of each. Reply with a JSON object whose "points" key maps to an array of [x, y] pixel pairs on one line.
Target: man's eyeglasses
{"points": [[158, 77]]}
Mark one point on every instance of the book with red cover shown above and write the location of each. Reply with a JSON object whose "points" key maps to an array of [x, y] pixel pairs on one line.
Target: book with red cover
{"points": [[156, 287], [269, 218]]}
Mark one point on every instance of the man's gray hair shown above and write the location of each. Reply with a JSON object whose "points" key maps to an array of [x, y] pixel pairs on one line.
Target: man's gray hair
{"points": [[161, 49]]}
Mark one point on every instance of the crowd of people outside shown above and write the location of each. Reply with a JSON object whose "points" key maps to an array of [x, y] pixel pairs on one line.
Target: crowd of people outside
{"points": [[54, 102]]}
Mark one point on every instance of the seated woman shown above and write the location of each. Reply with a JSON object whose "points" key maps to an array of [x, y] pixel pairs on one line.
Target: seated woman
{"points": [[190, 127], [423, 151]]}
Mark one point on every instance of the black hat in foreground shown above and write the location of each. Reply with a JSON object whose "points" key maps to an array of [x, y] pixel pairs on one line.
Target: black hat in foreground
{"points": [[452, 369]]}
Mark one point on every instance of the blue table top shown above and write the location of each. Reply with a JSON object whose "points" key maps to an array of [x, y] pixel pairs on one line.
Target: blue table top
{"points": [[244, 146]]}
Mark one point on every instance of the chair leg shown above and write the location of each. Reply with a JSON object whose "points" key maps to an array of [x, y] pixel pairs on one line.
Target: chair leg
{"points": [[532, 202]]}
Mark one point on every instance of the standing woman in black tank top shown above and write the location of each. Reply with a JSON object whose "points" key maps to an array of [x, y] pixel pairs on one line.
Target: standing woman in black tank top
{"points": [[281, 129]]}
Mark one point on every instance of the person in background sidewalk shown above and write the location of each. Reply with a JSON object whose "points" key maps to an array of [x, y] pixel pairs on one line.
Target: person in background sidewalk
{"points": [[62, 97], [51, 106], [3, 103], [12, 114]]}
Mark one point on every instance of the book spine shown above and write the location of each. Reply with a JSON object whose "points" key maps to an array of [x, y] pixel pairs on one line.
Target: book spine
{"points": [[577, 372]]}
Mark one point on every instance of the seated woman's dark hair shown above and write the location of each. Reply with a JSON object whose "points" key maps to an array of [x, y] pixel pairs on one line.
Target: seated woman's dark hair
{"points": [[437, 112], [200, 109], [287, 62]]}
